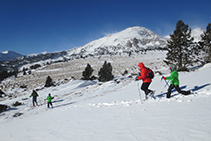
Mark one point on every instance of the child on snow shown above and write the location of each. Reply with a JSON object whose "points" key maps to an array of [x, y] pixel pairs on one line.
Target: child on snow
{"points": [[49, 98], [174, 82]]}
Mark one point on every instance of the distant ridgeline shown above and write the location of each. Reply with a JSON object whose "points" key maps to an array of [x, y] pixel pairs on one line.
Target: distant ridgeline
{"points": [[9, 55]]}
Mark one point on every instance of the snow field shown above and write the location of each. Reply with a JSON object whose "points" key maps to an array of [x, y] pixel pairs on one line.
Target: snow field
{"points": [[89, 110]]}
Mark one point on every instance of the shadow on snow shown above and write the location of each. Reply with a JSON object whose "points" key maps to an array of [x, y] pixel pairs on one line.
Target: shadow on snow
{"points": [[62, 104], [196, 88]]}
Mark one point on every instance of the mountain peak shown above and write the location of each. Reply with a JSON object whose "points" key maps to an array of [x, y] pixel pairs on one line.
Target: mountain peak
{"points": [[132, 39], [5, 52], [137, 31], [137, 28]]}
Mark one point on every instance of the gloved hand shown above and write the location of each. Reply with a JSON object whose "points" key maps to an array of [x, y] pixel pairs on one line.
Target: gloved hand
{"points": [[136, 79], [163, 77]]}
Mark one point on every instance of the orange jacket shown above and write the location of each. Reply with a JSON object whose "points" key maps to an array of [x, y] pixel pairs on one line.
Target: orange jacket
{"points": [[143, 74]]}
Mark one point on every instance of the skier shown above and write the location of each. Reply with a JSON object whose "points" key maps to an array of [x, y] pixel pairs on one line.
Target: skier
{"points": [[146, 80], [174, 82], [34, 96], [49, 98]]}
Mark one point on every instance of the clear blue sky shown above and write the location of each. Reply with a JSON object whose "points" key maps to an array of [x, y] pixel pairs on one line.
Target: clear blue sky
{"points": [[35, 26]]}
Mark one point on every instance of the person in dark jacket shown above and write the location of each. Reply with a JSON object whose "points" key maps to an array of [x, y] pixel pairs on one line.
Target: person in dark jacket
{"points": [[174, 82], [146, 80], [34, 96]]}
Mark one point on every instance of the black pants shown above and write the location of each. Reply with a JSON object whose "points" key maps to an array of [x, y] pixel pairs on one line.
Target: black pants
{"points": [[178, 89], [34, 101], [50, 103], [145, 87]]}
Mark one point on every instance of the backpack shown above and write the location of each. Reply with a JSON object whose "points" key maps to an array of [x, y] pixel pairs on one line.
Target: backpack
{"points": [[150, 73]]}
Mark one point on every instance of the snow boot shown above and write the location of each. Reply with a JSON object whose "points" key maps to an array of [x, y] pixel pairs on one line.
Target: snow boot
{"points": [[152, 93]]}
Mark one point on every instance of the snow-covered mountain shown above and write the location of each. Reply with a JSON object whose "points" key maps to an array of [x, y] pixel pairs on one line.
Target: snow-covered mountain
{"points": [[9, 55], [133, 39], [129, 41]]}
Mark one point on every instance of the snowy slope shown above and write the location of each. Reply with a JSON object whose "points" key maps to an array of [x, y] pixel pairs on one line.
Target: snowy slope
{"points": [[93, 111]]}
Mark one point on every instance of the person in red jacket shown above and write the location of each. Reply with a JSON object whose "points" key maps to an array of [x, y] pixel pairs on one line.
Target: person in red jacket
{"points": [[146, 80]]}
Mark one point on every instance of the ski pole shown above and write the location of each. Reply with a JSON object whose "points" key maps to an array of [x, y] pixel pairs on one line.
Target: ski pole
{"points": [[139, 91], [167, 83]]}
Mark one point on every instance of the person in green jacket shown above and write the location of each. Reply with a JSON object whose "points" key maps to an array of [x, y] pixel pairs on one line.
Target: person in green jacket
{"points": [[174, 82], [49, 98]]}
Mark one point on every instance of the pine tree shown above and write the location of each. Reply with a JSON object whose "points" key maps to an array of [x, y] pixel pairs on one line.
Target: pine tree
{"points": [[180, 47], [105, 73], [87, 73], [206, 43]]}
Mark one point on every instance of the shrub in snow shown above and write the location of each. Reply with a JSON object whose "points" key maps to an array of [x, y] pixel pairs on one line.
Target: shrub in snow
{"points": [[24, 98], [17, 114], [125, 72], [35, 66], [3, 108], [17, 104], [24, 72], [30, 72], [23, 86], [49, 82], [105, 73]]}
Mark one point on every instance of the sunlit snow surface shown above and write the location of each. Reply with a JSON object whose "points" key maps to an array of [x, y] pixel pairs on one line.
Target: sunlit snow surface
{"points": [[114, 110]]}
